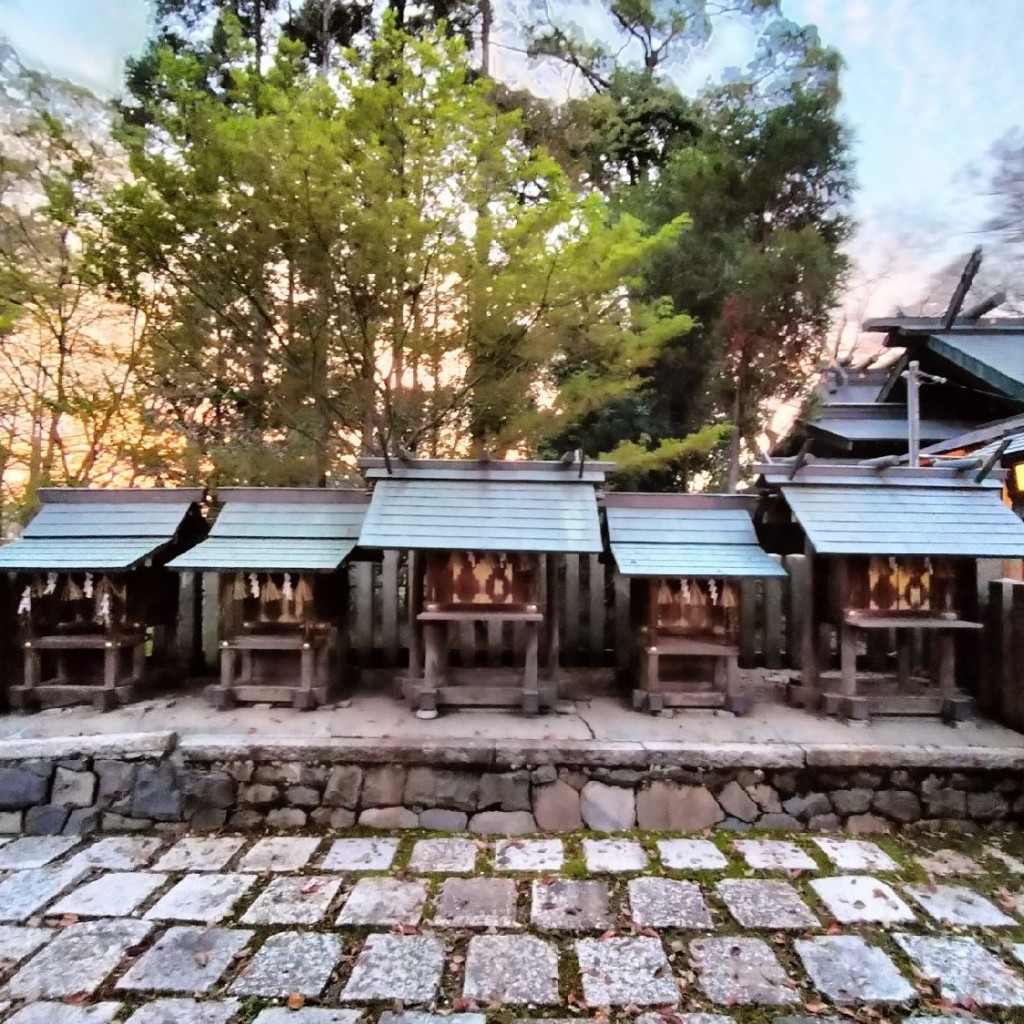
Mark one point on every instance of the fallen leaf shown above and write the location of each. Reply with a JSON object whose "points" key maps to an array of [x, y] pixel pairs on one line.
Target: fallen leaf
{"points": [[201, 957], [295, 1001]]}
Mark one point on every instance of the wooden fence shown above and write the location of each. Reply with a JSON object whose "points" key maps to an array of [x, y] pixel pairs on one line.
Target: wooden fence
{"points": [[594, 602]]}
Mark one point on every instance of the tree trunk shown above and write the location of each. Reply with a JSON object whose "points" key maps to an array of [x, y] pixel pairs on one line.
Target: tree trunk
{"points": [[733, 476], [486, 21]]}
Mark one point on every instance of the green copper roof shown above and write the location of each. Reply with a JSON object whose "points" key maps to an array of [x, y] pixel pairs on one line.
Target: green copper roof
{"points": [[80, 529], [995, 359], [906, 519], [484, 515], [279, 530], [689, 541]]}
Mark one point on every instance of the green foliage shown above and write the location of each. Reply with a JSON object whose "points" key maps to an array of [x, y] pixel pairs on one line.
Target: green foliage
{"points": [[348, 263]]}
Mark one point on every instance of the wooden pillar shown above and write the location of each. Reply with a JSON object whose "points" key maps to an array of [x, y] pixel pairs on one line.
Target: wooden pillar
{"points": [[416, 576], [553, 620], [433, 652], [211, 588], [531, 693], [773, 620], [848, 659], [748, 622], [808, 633]]}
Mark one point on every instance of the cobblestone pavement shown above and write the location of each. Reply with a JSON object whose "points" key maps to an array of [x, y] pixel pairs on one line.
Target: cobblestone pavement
{"points": [[415, 929]]}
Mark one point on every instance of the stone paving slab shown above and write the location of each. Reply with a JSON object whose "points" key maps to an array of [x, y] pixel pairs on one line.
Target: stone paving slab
{"points": [[449, 856], [687, 1018], [511, 970], [568, 905], [1007, 860], [759, 903], [116, 894], [613, 856], [79, 960], [26, 892], [851, 973], [34, 851], [360, 855], [668, 903], [738, 971], [855, 855], [774, 855], [206, 899], [18, 942], [949, 862], [965, 971], [384, 901], [955, 904], [186, 1011], [307, 1015], [405, 967], [476, 903], [691, 855], [279, 853], [529, 855], [200, 853], [118, 853], [186, 960], [300, 900], [860, 899], [62, 1013], [626, 971], [290, 962]]}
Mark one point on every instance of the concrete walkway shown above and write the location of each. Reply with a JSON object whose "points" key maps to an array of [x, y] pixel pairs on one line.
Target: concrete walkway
{"points": [[367, 716], [393, 928]]}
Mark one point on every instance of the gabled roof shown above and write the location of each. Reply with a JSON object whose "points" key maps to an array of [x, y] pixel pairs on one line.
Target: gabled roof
{"points": [[80, 529], [483, 506], [996, 359], [856, 510], [692, 535], [880, 422], [280, 529]]}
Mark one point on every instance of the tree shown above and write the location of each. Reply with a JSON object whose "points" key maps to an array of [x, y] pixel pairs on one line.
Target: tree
{"points": [[366, 261]]}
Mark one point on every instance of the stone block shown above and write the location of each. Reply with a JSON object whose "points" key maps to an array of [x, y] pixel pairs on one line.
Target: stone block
{"points": [[851, 801], [259, 794], [507, 792], [734, 800], [383, 786], [899, 804], [210, 789], [47, 820], [83, 821], [343, 786], [124, 823], [544, 774], [438, 787], [946, 803], [246, 819], [824, 823], [389, 817], [556, 807], [157, 794], [116, 782], [502, 823], [867, 824], [23, 787], [10, 823], [302, 796], [607, 808], [208, 818], [333, 817], [666, 805], [807, 806], [72, 789], [766, 797], [987, 806], [286, 817], [439, 819]]}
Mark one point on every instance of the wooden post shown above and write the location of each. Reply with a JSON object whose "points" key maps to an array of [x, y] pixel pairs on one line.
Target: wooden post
{"points": [[433, 652], [553, 617], [531, 695], [598, 610], [903, 659], [183, 642], [416, 572], [748, 623], [138, 661], [946, 674], [773, 620], [211, 619], [389, 608], [808, 633], [362, 638], [623, 625], [572, 605], [848, 659]]}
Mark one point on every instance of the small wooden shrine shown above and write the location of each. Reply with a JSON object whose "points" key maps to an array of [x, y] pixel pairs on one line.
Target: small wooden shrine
{"points": [[94, 597], [484, 539], [891, 563], [280, 553], [685, 556]]}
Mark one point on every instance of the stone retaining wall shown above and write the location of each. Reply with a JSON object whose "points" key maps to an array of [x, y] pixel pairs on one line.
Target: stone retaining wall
{"points": [[123, 783]]}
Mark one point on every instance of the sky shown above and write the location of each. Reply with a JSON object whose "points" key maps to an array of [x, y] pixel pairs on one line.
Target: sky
{"points": [[929, 86]]}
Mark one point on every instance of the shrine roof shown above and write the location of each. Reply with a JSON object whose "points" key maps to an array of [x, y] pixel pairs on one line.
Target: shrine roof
{"points": [[279, 529], [483, 506], [686, 535], [107, 529]]}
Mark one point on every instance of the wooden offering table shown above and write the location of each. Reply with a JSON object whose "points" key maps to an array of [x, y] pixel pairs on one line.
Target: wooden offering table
{"points": [[93, 592], [280, 554], [891, 560], [685, 555], [483, 539]]}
